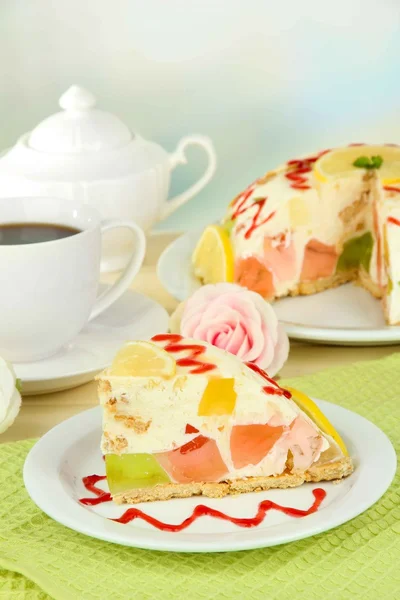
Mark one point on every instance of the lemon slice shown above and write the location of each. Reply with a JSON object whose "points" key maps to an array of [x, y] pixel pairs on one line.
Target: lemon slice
{"points": [[339, 163], [312, 411], [213, 256], [143, 359]]}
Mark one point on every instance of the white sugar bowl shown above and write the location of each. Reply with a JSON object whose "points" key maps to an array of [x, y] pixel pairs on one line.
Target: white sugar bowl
{"points": [[85, 154]]}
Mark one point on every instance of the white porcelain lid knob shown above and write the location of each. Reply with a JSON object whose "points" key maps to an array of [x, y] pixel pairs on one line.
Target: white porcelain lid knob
{"points": [[79, 128], [77, 98]]}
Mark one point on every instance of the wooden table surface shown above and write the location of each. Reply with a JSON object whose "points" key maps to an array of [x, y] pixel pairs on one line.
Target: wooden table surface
{"points": [[40, 413]]}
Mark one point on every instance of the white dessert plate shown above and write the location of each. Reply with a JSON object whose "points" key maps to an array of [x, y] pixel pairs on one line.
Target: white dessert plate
{"points": [[347, 315], [55, 466], [133, 316]]}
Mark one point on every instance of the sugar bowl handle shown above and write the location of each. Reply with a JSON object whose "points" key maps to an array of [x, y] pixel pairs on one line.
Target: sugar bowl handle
{"points": [[179, 158]]}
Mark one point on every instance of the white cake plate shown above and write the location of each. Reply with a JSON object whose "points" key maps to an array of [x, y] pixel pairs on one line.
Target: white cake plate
{"points": [[55, 466]]}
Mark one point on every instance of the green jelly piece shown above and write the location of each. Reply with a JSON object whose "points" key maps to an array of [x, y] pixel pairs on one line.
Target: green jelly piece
{"points": [[389, 288], [356, 253], [131, 471]]}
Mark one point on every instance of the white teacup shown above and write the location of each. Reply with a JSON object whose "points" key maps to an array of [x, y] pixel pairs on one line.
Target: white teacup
{"points": [[48, 290]]}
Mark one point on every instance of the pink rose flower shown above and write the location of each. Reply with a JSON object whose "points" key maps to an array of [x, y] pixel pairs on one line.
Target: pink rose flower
{"points": [[236, 320]]}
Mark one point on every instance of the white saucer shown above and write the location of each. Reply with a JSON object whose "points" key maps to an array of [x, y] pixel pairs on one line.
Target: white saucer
{"points": [[133, 316], [55, 466], [347, 315]]}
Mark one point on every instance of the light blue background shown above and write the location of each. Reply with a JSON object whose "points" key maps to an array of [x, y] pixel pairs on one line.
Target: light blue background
{"points": [[265, 80]]}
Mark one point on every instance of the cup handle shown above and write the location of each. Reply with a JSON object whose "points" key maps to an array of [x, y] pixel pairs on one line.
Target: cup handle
{"points": [[179, 158], [122, 284]]}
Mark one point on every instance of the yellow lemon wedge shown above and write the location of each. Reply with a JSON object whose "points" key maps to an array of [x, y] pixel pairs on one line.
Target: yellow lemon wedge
{"points": [[143, 359], [339, 162], [213, 256], [312, 411]]}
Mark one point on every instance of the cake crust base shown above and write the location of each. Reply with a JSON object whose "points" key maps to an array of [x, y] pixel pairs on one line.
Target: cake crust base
{"points": [[319, 472], [364, 280], [306, 288]]}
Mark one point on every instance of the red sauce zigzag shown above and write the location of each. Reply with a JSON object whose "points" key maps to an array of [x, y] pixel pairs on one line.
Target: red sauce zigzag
{"points": [[391, 188], [195, 350], [393, 220], [100, 496], [297, 169], [240, 209], [269, 389]]}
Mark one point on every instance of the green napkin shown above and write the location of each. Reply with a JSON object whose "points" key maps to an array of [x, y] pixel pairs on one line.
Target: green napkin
{"points": [[40, 558]]}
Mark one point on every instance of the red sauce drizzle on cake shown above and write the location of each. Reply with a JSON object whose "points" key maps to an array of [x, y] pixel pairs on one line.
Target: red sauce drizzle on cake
{"points": [[200, 510], [299, 167], [241, 199], [269, 389], [195, 350], [255, 223], [393, 220], [296, 175], [391, 188], [241, 208]]}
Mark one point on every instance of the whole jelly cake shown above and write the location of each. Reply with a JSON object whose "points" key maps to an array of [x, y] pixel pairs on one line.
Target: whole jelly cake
{"points": [[312, 224], [184, 418]]}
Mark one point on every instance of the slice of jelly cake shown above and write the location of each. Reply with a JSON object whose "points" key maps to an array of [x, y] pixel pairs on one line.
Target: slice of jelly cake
{"points": [[183, 418]]}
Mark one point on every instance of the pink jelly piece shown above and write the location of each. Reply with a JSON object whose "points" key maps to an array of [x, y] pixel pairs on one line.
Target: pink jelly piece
{"points": [[251, 443], [198, 460]]}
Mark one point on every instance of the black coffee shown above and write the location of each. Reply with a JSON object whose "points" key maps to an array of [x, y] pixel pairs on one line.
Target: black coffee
{"points": [[12, 234]]}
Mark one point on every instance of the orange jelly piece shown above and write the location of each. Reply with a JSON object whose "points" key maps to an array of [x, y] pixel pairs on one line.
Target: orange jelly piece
{"points": [[319, 261], [251, 443], [251, 273], [198, 460], [219, 398]]}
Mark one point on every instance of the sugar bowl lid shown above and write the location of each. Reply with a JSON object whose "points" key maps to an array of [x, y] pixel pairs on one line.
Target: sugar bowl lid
{"points": [[79, 127]]}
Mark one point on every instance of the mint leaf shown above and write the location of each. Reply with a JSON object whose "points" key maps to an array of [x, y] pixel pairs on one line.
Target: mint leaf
{"points": [[366, 162], [361, 162], [377, 161], [18, 385]]}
